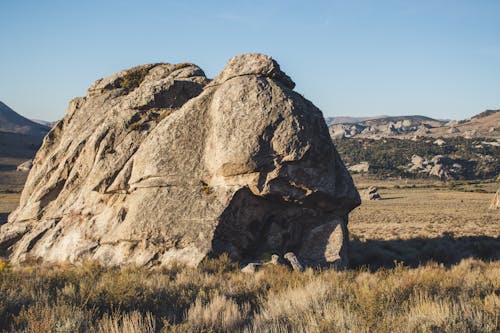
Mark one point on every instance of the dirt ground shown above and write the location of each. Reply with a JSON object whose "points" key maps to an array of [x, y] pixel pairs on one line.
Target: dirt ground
{"points": [[405, 213]]}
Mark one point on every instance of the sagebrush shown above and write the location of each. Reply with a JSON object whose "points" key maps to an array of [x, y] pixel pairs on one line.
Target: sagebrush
{"points": [[217, 297]]}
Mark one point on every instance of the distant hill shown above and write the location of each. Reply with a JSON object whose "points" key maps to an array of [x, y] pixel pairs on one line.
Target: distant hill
{"points": [[12, 122], [44, 122], [347, 119], [485, 114], [20, 139], [485, 124]]}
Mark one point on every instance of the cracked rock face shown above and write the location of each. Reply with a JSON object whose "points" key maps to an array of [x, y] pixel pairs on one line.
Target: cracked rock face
{"points": [[159, 164]]}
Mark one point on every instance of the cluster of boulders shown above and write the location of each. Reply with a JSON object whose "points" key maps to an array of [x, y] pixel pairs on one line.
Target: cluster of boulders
{"points": [[339, 131], [380, 128], [159, 164], [443, 167], [289, 259]]}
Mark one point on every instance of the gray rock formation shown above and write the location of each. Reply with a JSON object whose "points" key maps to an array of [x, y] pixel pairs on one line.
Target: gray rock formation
{"points": [[443, 167], [439, 142], [362, 167], [294, 262], [158, 164], [371, 193], [275, 260], [417, 163], [495, 201], [251, 268], [25, 166], [408, 127]]}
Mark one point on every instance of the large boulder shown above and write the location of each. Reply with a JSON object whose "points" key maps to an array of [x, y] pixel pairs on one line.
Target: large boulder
{"points": [[417, 163], [362, 167], [157, 165], [371, 193]]}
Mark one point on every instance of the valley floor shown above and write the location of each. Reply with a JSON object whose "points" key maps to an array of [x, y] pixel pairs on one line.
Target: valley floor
{"points": [[426, 258]]}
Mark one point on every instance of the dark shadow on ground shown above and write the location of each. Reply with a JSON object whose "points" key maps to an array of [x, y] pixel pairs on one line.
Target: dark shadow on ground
{"points": [[447, 250], [391, 198]]}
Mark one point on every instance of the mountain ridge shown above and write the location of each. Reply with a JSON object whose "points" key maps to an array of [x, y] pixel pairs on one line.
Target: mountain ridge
{"points": [[480, 125], [13, 122]]}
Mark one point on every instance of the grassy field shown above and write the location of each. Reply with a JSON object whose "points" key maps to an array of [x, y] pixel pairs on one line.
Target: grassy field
{"points": [[426, 258]]}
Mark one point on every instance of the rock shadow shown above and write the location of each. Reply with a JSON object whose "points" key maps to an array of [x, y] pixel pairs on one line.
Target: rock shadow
{"points": [[253, 228], [391, 198], [447, 250]]}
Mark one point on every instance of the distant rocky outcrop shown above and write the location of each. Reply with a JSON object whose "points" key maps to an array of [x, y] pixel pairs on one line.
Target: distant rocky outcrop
{"points": [[442, 167], [460, 158], [348, 119], [158, 164], [439, 142], [12, 122], [371, 193], [402, 126], [25, 166], [362, 167], [408, 127]]}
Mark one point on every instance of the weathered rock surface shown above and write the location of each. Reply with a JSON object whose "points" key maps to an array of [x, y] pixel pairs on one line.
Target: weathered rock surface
{"points": [[294, 262], [25, 166], [251, 268], [371, 193], [495, 201], [158, 164], [439, 142], [362, 167], [417, 163], [443, 167], [407, 127]]}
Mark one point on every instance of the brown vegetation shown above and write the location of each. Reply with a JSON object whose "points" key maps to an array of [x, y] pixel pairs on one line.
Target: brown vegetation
{"points": [[424, 259], [218, 298]]}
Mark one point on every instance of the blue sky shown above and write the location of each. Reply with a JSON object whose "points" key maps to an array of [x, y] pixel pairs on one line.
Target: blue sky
{"points": [[437, 58]]}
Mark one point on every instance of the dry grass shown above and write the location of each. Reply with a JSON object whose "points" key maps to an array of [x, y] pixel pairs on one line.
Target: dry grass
{"points": [[407, 213], [422, 221], [423, 260], [8, 202], [90, 298]]}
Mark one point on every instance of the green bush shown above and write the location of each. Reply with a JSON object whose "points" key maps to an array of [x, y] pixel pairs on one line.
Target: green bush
{"points": [[388, 157]]}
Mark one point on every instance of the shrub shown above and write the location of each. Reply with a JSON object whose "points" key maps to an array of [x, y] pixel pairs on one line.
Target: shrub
{"points": [[132, 80], [217, 297]]}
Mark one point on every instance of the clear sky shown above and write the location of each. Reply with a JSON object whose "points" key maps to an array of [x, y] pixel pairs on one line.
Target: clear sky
{"points": [[436, 58]]}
